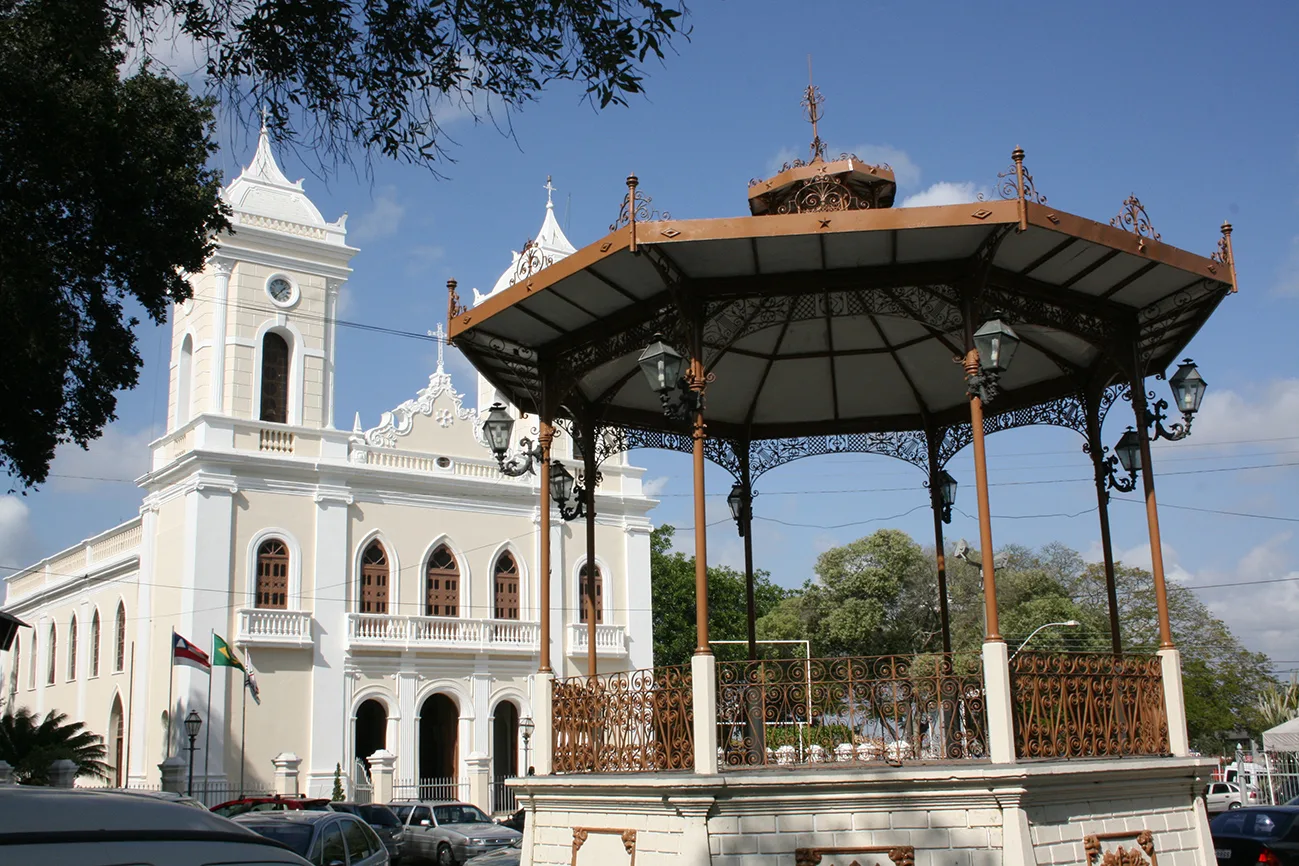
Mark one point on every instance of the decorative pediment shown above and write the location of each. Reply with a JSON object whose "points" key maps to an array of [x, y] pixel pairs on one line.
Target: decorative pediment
{"points": [[439, 401]]}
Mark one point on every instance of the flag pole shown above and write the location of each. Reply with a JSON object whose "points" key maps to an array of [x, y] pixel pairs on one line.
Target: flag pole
{"points": [[171, 680], [207, 739]]}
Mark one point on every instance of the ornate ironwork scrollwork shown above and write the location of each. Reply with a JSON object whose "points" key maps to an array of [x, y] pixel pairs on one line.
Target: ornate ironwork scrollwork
{"points": [[1133, 218], [1087, 705], [1093, 852], [632, 721], [851, 710], [1008, 181], [636, 207], [454, 306], [531, 260]]}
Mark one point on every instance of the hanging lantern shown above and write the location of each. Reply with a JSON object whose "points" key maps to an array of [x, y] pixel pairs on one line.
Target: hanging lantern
{"points": [[561, 483], [946, 489], [497, 429], [661, 365], [996, 344], [1188, 387], [1128, 450]]}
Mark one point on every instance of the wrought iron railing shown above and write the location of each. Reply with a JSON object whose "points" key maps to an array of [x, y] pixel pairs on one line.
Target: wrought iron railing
{"points": [[624, 722], [1087, 705], [845, 710]]}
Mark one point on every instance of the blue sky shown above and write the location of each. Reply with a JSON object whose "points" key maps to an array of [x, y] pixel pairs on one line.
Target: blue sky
{"points": [[1187, 105]]}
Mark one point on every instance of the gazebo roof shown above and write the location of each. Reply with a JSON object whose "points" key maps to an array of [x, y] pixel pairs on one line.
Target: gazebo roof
{"points": [[846, 320]]}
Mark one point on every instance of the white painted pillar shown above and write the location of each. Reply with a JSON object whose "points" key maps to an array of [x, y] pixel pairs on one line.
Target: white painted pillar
{"points": [[1016, 838], [1001, 723], [636, 590], [408, 726], [286, 774], [328, 737], [216, 390], [694, 834], [381, 764], [206, 574], [543, 742], [332, 289], [84, 614], [142, 713], [703, 678], [479, 767], [172, 773], [63, 773], [1179, 741], [1203, 837]]}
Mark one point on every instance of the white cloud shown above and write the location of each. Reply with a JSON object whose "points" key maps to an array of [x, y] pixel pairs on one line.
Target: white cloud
{"points": [[1267, 411], [421, 258], [905, 171], [943, 192], [1139, 557], [655, 486], [15, 534], [117, 455], [381, 220]]}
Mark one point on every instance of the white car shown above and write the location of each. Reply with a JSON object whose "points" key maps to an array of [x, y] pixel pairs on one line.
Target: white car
{"points": [[1221, 796], [80, 827]]}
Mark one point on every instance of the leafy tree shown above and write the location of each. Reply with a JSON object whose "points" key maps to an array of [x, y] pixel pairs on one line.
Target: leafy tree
{"points": [[1277, 705], [376, 75], [104, 198], [30, 745], [672, 576]]}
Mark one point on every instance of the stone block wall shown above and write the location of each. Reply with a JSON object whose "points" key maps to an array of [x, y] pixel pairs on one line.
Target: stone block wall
{"points": [[1058, 829]]}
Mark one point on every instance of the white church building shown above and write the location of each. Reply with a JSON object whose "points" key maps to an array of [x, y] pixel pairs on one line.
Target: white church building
{"points": [[382, 582]]}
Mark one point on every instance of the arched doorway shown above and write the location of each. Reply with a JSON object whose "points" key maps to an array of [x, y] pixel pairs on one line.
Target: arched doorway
{"points": [[371, 730], [116, 742], [505, 755], [439, 727]]}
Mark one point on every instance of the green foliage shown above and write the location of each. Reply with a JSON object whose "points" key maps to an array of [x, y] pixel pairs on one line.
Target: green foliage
{"points": [[337, 795], [104, 197], [1277, 704], [378, 75], [30, 745], [672, 576]]}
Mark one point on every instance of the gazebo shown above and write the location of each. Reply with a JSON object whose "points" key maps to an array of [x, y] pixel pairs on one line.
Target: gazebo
{"points": [[829, 321]]}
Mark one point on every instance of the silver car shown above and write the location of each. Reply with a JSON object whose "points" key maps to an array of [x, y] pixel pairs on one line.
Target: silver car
{"points": [[323, 838], [449, 833]]}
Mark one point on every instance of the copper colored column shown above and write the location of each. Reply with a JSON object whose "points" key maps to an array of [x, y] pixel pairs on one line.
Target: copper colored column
{"points": [[546, 433], [993, 628], [588, 470], [701, 520], [1152, 515]]}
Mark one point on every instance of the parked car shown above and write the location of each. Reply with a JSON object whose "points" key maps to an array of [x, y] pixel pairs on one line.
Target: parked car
{"points": [[79, 827], [1221, 796], [243, 805], [515, 821], [382, 821], [448, 832], [509, 856], [1257, 836], [323, 838], [166, 797]]}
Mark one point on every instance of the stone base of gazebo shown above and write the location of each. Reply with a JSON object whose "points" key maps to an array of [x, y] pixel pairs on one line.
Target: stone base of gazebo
{"points": [[970, 814]]}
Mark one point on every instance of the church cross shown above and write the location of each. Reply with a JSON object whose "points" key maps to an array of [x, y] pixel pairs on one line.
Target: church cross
{"points": [[550, 190], [439, 337]]}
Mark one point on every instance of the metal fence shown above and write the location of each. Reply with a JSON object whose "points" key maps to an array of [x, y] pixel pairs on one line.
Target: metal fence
{"points": [[447, 788], [1088, 705], [503, 797], [1278, 783], [842, 710]]}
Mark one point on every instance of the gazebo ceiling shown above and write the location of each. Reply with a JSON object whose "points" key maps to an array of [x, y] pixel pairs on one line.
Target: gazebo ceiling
{"points": [[844, 320]]}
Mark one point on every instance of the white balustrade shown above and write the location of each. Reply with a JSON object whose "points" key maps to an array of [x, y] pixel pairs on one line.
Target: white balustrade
{"points": [[278, 441], [272, 627], [610, 640], [414, 632]]}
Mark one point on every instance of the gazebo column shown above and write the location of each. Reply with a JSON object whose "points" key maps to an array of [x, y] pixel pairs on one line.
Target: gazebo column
{"points": [[588, 427], [1170, 658], [746, 532], [941, 515], [703, 669], [1097, 450], [543, 690], [996, 658]]}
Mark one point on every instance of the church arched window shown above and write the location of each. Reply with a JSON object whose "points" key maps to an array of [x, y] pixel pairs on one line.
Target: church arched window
{"points": [[599, 594], [184, 377], [119, 640], [17, 663], [506, 578], [273, 574], [374, 579], [94, 644], [275, 378], [54, 651], [72, 648], [442, 584]]}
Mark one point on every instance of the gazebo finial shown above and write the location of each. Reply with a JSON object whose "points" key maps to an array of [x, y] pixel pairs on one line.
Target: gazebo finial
{"points": [[812, 101]]}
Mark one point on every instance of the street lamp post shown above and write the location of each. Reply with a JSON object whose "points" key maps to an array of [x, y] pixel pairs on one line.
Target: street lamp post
{"points": [[497, 430], [740, 500], [1069, 623], [193, 723], [526, 725]]}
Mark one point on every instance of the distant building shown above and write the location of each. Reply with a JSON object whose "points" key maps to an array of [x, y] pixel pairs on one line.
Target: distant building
{"points": [[382, 582]]}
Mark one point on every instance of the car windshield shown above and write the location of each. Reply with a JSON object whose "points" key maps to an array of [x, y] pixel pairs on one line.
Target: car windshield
{"points": [[1253, 823], [459, 815], [402, 812], [296, 837], [378, 816]]}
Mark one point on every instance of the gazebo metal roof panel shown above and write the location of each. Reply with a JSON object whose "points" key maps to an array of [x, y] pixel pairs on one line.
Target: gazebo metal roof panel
{"points": [[837, 319]]}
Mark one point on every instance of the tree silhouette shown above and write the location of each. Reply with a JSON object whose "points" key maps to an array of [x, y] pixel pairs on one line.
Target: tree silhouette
{"points": [[30, 745]]}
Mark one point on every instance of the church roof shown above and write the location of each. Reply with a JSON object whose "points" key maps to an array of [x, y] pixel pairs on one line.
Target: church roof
{"points": [[548, 247], [262, 196]]}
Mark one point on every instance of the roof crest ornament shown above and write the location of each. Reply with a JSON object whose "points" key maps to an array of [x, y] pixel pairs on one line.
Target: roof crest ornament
{"points": [[550, 191], [812, 101]]}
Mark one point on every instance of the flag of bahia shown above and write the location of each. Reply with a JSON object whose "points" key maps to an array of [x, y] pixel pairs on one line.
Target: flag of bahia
{"points": [[185, 653]]}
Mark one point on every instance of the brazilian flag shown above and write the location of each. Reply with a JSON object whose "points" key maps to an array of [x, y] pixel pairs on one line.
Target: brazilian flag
{"points": [[222, 654]]}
